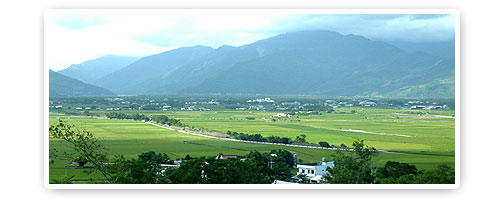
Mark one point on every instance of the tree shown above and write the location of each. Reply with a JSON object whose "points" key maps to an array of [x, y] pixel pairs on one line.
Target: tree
{"points": [[324, 144], [85, 146], [300, 138], [443, 174], [392, 171], [352, 166], [152, 157], [137, 171]]}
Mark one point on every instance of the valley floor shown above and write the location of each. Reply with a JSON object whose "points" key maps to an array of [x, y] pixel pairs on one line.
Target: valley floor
{"points": [[431, 143]]}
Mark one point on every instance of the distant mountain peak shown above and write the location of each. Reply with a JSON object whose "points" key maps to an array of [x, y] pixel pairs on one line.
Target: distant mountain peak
{"points": [[91, 70]]}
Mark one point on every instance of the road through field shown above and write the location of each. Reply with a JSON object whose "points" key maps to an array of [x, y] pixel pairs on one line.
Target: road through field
{"points": [[255, 142]]}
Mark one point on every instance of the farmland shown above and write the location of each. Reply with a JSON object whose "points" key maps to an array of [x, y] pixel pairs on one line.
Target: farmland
{"points": [[425, 139]]}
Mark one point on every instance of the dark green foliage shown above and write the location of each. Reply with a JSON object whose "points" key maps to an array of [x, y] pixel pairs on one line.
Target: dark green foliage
{"points": [[260, 138], [119, 115], [137, 171], [163, 119], [393, 170], [282, 165], [222, 171], [443, 174], [300, 138], [353, 167], [152, 157], [255, 169], [324, 144], [81, 161]]}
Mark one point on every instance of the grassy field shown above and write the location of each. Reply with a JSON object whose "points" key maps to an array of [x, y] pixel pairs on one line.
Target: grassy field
{"points": [[434, 135], [386, 129]]}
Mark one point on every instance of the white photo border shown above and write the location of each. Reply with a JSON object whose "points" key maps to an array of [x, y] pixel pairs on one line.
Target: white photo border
{"points": [[261, 186]]}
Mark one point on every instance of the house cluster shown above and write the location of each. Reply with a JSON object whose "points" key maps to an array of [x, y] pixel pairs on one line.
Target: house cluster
{"points": [[264, 100], [367, 103], [211, 102], [420, 107], [194, 108], [345, 104], [92, 108], [117, 100], [331, 103], [257, 107], [118, 108]]}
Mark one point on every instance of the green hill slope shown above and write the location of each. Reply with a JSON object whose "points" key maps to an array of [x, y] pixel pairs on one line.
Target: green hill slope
{"points": [[64, 86]]}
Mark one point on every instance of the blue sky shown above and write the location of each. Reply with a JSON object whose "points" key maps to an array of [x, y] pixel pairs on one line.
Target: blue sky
{"points": [[73, 37]]}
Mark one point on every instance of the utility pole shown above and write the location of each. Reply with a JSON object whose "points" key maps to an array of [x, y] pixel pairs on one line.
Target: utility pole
{"points": [[270, 163]]}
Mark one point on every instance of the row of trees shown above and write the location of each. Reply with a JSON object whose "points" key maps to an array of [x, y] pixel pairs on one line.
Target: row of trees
{"points": [[160, 119], [259, 138], [119, 115], [163, 119]]}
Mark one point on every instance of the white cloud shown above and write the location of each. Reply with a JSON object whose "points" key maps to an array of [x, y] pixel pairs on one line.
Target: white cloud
{"points": [[146, 32], [64, 46]]}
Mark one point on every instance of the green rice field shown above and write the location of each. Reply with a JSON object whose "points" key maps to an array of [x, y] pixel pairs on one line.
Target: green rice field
{"points": [[424, 140]]}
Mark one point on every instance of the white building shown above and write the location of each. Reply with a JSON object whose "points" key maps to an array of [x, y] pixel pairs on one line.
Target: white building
{"points": [[281, 115], [314, 173]]}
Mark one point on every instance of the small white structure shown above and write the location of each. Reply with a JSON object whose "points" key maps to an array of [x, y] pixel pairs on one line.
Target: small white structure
{"points": [[169, 165], [282, 182], [314, 173], [280, 115]]}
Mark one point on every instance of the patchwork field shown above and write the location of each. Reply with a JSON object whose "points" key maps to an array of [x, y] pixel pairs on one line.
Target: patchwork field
{"points": [[428, 138]]}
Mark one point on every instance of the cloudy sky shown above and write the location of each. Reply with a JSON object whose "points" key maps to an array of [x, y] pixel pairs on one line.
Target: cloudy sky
{"points": [[74, 36]]}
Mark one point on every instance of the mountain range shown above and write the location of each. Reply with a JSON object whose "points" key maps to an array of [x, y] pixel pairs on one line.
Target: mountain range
{"points": [[298, 63], [91, 70], [64, 86]]}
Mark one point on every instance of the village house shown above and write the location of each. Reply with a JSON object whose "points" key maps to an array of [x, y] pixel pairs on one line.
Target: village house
{"points": [[222, 156], [314, 173]]}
